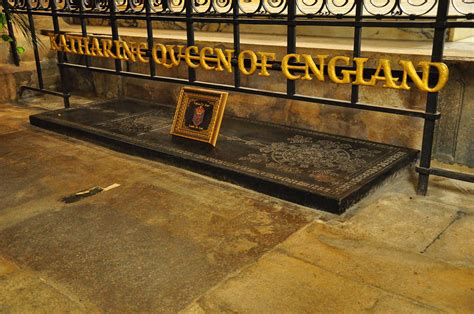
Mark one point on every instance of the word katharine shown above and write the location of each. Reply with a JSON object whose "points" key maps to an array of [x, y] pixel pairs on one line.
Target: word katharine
{"points": [[294, 66]]}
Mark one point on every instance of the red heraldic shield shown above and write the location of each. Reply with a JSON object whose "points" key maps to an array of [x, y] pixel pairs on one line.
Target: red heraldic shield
{"points": [[198, 115]]}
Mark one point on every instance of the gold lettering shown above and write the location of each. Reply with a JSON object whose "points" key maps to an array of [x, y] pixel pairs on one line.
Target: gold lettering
{"points": [[72, 43], [346, 74], [85, 42], [189, 58], [359, 73], [220, 60], [175, 61], [423, 82], [310, 65], [253, 62], [106, 46], [128, 54], [136, 49], [53, 43], [265, 56], [224, 60], [286, 67], [118, 48], [154, 54], [82, 45], [204, 58], [96, 51], [443, 72], [390, 81], [63, 43]]}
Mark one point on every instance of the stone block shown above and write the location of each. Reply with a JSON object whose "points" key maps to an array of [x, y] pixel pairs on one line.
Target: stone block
{"points": [[278, 283], [401, 221], [411, 275], [456, 244]]}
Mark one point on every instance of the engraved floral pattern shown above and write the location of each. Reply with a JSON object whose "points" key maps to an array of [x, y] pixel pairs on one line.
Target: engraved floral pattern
{"points": [[320, 158], [138, 124]]}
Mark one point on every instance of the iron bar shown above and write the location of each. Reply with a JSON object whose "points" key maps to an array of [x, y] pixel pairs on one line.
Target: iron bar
{"points": [[40, 90], [149, 33], [61, 59], [356, 50], [115, 32], [236, 40], [83, 29], [432, 98], [319, 100], [34, 41], [291, 41], [446, 173], [190, 35]]}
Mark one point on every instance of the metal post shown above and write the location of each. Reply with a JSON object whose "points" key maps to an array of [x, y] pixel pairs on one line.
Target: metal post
{"points": [[61, 56], [83, 28], [291, 41], [115, 33], [432, 100], [31, 21], [236, 37], [190, 35], [150, 41], [357, 46]]}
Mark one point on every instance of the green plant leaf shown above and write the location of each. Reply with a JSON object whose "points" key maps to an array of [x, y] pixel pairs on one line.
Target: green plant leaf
{"points": [[22, 25], [20, 50], [7, 38], [3, 20]]}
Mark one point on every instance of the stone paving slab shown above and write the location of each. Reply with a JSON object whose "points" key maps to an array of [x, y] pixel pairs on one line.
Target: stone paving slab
{"points": [[322, 269], [40, 165], [24, 292], [448, 191], [278, 283], [456, 245], [13, 118], [125, 256], [398, 221], [407, 274]]}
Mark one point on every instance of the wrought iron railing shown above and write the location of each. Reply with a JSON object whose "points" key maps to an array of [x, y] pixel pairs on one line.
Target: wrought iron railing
{"points": [[438, 15], [250, 8]]}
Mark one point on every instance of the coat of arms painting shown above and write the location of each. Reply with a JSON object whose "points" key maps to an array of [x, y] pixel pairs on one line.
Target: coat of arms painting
{"points": [[199, 114]]}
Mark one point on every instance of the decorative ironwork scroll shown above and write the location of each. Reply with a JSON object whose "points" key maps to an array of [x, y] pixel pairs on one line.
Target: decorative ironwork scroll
{"points": [[274, 8]]}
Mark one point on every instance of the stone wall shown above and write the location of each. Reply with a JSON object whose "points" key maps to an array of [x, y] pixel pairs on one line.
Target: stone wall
{"points": [[455, 141]]}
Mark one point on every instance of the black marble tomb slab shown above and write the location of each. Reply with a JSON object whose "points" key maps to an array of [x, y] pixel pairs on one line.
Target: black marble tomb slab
{"points": [[323, 171]]}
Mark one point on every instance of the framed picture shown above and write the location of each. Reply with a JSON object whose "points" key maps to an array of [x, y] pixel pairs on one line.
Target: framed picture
{"points": [[199, 114]]}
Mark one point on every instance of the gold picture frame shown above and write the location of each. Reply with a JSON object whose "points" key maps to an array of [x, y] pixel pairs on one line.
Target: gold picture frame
{"points": [[199, 114]]}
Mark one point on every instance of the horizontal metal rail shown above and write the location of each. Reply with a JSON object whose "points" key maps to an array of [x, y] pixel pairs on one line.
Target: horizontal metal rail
{"points": [[41, 90], [319, 100], [446, 173], [301, 21]]}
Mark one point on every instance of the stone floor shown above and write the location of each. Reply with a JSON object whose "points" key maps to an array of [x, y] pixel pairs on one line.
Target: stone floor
{"points": [[168, 240]]}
